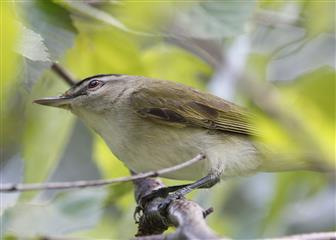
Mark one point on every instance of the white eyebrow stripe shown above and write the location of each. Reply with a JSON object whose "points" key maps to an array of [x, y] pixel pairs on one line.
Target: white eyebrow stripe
{"points": [[106, 78]]}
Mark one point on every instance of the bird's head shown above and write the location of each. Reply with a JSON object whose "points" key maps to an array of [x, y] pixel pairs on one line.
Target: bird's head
{"points": [[93, 94]]}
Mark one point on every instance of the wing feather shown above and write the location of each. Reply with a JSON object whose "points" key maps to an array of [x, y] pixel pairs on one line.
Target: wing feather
{"points": [[167, 103]]}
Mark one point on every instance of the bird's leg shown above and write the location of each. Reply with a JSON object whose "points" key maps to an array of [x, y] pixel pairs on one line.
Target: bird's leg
{"points": [[161, 192], [180, 190], [205, 182]]}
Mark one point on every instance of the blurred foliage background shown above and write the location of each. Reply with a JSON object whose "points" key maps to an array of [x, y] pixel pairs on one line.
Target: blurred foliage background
{"points": [[285, 50]]}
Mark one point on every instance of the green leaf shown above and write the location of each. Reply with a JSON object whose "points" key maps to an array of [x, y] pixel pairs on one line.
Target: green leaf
{"points": [[291, 187], [68, 212], [93, 13], [46, 133], [271, 4], [52, 22], [313, 98], [103, 50], [9, 34], [109, 165], [318, 87], [214, 19], [76, 162], [172, 63], [32, 46], [149, 17], [9, 63], [54, 26], [319, 17]]}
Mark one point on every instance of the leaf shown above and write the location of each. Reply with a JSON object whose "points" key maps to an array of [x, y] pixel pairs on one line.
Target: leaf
{"points": [[68, 212], [53, 23], [213, 19], [94, 13], [10, 32], [109, 165], [317, 87], [9, 65], [319, 17], [270, 4], [309, 99], [76, 162], [11, 172], [304, 56], [172, 63], [103, 50], [149, 17], [32, 46], [290, 187], [46, 132], [312, 96], [54, 26]]}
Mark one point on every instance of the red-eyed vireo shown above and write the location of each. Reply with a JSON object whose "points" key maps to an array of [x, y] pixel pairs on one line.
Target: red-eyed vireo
{"points": [[152, 124]]}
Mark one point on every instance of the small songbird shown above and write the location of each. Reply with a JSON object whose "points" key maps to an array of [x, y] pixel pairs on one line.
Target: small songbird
{"points": [[152, 124]]}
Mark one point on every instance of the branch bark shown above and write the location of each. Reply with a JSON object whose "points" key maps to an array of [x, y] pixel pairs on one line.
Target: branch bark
{"points": [[63, 74], [187, 216]]}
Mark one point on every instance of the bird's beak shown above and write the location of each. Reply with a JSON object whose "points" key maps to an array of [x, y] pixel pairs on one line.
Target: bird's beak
{"points": [[60, 101]]}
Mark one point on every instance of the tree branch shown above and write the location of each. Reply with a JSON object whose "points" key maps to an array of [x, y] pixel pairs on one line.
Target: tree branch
{"points": [[12, 187], [63, 74], [186, 216]]}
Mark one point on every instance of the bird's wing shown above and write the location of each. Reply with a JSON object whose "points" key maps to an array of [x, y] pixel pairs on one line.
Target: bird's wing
{"points": [[167, 103]]}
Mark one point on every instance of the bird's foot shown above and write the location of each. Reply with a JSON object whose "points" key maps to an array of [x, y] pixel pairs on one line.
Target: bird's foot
{"points": [[169, 194], [161, 192], [179, 194]]}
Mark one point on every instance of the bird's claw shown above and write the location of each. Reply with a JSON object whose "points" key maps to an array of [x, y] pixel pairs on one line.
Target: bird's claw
{"points": [[163, 206], [161, 192]]}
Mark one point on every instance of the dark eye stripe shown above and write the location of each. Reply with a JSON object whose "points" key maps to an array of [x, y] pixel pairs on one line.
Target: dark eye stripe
{"points": [[81, 92]]}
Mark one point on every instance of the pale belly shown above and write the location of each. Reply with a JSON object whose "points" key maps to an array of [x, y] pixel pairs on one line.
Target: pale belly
{"points": [[160, 149], [152, 146], [165, 146]]}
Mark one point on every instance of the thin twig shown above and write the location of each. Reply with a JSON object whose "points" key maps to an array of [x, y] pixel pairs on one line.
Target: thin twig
{"points": [[13, 187], [64, 74]]}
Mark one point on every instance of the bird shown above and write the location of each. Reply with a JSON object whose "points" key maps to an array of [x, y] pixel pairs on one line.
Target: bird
{"points": [[151, 124]]}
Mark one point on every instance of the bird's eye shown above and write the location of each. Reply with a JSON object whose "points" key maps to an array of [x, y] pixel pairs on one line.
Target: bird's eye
{"points": [[94, 84]]}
